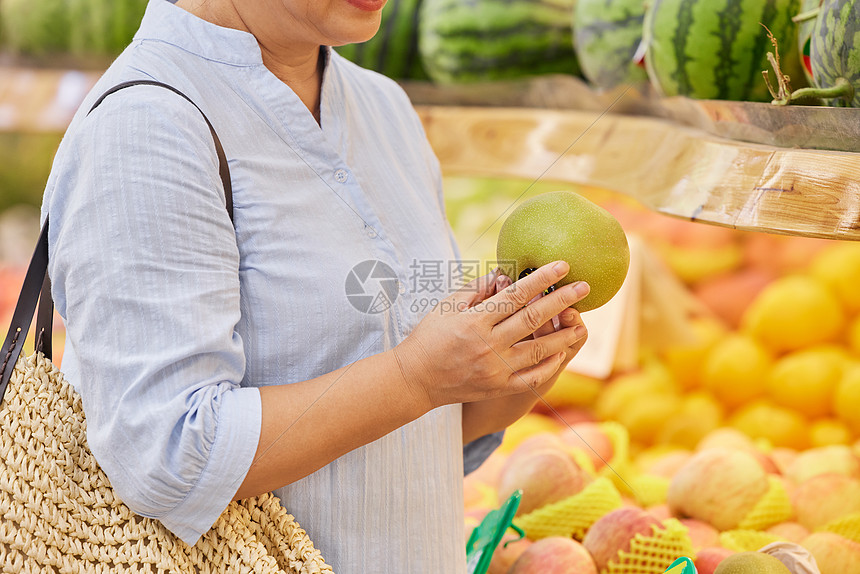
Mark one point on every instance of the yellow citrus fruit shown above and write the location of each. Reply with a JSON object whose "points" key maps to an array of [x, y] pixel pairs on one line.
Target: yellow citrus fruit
{"points": [[685, 360], [645, 416], [530, 425], [699, 414], [695, 264], [574, 390], [780, 426], [826, 432], [846, 398], [854, 335], [805, 380], [629, 387], [736, 370], [794, 312], [838, 266]]}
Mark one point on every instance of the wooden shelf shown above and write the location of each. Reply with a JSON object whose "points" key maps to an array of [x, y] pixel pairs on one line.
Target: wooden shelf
{"points": [[672, 169], [679, 166]]}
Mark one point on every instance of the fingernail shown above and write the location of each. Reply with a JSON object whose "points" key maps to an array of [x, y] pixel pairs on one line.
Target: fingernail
{"points": [[561, 268], [580, 331], [581, 288], [495, 273]]}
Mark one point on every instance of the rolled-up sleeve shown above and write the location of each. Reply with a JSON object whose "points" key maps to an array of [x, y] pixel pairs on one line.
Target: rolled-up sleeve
{"points": [[144, 264]]}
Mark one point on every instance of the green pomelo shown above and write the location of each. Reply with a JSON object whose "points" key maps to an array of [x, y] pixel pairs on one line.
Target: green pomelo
{"points": [[606, 34], [717, 49], [563, 225], [751, 563]]}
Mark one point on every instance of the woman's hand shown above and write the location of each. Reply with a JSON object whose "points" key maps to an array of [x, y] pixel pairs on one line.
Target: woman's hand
{"points": [[476, 345]]}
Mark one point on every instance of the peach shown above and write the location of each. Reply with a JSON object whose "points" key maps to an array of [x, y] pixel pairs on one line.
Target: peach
{"points": [[590, 439], [791, 531], [707, 559], [489, 471], [668, 464], [734, 439], [824, 498], [507, 552], [660, 511], [613, 532], [834, 554], [554, 555], [718, 486], [545, 476], [701, 533], [838, 459]]}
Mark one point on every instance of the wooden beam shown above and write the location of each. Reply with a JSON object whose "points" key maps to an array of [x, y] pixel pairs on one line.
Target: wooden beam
{"points": [[672, 169]]}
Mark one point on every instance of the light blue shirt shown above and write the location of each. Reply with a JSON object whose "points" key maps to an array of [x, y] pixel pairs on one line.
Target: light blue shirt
{"points": [[174, 316]]}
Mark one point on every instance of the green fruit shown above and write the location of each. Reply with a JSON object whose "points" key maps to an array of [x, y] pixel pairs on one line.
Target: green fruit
{"points": [[751, 563], [563, 225], [606, 34], [717, 49], [835, 55], [463, 41], [393, 51]]}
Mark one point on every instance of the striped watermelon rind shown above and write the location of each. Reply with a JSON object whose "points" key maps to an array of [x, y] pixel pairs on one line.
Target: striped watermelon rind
{"points": [[393, 51], [717, 49], [809, 10], [463, 41], [835, 53], [606, 34]]}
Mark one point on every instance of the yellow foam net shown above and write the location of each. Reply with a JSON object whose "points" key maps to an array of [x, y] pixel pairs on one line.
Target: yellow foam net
{"points": [[847, 527], [649, 489], [620, 469], [574, 515], [653, 554], [746, 540], [774, 507]]}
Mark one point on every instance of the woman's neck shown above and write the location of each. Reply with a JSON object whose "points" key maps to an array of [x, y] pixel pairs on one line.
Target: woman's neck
{"points": [[296, 63]]}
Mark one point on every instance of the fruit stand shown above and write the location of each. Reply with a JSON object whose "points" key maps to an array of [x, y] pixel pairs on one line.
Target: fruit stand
{"points": [[715, 410]]}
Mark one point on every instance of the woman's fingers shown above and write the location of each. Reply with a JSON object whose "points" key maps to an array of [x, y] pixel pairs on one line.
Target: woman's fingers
{"points": [[526, 354], [534, 376], [509, 301], [473, 292], [528, 320]]}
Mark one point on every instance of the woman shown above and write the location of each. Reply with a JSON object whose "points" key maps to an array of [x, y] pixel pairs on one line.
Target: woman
{"points": [[218, 361]]}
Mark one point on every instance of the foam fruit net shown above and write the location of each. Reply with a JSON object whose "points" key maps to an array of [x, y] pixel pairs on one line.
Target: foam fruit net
{"points": [[574, 515], [653, 554]]}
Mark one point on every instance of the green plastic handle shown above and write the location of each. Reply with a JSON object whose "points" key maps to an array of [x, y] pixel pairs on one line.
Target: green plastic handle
{"points": [[689, 567], [488, 534]]}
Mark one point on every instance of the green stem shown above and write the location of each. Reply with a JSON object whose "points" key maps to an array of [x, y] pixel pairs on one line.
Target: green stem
{"points": [[808, 15], [841, 89]]}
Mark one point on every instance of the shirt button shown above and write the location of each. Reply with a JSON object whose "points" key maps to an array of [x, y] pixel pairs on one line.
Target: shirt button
{"points": [[371, 232], [341, 175]]}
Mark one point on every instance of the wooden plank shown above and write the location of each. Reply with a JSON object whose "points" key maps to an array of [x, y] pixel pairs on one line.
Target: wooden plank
{"points": [[672, 169]]}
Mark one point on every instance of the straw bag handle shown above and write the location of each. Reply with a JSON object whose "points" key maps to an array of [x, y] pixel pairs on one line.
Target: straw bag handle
{"points": [[37, 284]]}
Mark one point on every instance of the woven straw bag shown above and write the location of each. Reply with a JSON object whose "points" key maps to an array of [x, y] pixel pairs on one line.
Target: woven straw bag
{"points": [[59, 512]]}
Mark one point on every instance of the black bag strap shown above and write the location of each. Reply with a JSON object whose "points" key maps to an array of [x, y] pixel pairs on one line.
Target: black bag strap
{"points": [[37, 284]]}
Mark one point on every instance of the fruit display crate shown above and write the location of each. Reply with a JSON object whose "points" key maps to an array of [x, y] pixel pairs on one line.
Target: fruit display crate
{"points": [[750, 166]]}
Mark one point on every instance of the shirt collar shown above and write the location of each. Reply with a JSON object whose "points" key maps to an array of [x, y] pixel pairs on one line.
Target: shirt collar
{"points": [[164, 22]]}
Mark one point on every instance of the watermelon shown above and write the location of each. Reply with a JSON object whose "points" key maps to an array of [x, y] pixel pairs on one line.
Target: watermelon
{"points": [[606, 34], [393, 51], [835, 54], [717, 49], [463, 41], [79, 27], [806, 23]]}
